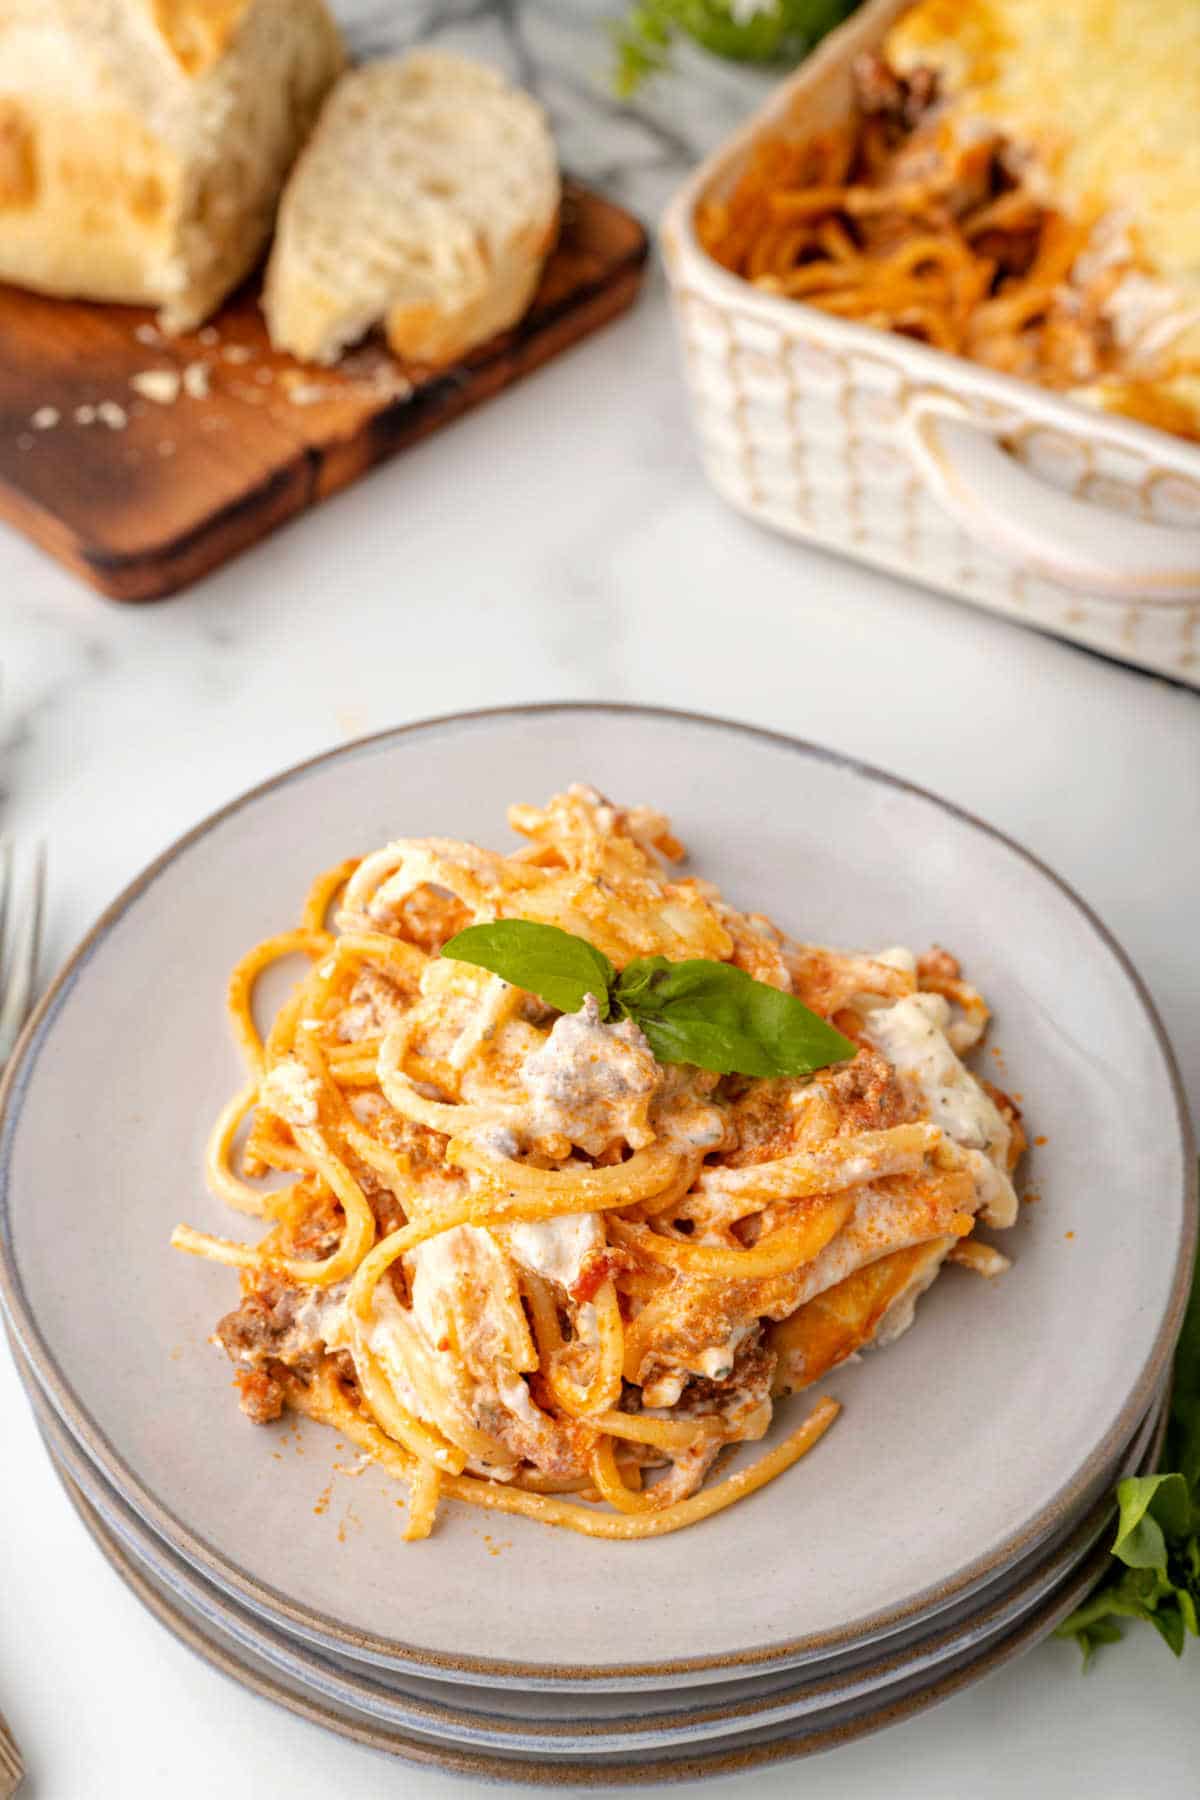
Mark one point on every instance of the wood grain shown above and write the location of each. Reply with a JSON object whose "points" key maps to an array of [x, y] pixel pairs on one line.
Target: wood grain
{"points": [[142, 507]]}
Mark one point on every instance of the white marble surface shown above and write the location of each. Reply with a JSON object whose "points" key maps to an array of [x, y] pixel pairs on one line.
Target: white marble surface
{"points": [[561, 543]]}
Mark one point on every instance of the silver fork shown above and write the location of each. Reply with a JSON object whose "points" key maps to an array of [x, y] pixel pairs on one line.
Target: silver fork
{"points": [[20, 940]]}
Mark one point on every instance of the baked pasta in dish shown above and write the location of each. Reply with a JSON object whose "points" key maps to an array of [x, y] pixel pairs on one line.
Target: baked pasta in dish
{"points": [[1019, 184], [552, 1244]]}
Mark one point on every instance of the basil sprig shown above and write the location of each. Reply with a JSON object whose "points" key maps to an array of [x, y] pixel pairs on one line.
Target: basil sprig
{"points": [[1155, 1569], [710, 1014]]}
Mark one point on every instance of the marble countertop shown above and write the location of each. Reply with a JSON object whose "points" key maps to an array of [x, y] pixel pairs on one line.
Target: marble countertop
{"points": [[561, 543]]}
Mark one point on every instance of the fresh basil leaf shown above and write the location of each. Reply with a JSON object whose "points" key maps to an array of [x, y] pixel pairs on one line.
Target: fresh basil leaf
{"points": [[717, 1017], [1132, 1596], [1153, 1508], [1090, 1637], [1168, 1623], [1158, 1532], [559, 967], [781, 31], [636, 980]]}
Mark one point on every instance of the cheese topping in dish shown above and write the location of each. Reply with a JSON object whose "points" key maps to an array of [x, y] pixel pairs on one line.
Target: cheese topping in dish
{"points": [[1103, 96], [1101, 99], [1020, 184], [525, 1264]]}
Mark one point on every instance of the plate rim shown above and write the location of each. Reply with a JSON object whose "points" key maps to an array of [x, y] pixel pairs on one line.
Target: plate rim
{"points": [[695, 1763], [367, 1645], [885, 1669]]}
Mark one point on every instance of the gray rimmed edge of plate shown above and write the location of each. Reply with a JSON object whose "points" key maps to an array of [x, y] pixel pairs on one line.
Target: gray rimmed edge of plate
{"points": [[774, 1702], [733, 1757]]}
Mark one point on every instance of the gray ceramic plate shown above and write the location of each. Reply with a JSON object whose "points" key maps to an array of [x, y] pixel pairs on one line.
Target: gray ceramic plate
{"points": [[548, 1724], [968, 1443], [734, 1755]]}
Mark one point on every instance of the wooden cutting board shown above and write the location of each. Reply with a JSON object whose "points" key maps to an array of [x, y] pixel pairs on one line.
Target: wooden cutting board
{"points": [[141, 489]]}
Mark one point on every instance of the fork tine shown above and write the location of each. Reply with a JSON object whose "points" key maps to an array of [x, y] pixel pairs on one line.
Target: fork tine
{"points": [[6, 858], [24, 942]]}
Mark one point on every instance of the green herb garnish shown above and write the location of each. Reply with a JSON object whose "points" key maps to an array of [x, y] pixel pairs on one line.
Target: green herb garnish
{"points": [[1156, 1553], [773, 31], [706, 1013]]}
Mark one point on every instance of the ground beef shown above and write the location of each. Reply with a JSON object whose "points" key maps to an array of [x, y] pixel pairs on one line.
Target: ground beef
{"points": [[428, 916], [749, 1380], [257, 1329], [374, 1003], [317, 1234], [261, 1339], [765, 1120], [866, 1093], [389, 1214], [901, 100], [259, 1395]]}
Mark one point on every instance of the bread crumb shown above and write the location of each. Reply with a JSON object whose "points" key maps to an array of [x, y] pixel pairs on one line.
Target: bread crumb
{"points": [[112, 415], [264, 376], [166, 447], [195, 380], [85, 415], [159, 385], [147, 334], [302, 392], [209, 335], [236, 353], [24, 442], [45, 418], [214, 422]]}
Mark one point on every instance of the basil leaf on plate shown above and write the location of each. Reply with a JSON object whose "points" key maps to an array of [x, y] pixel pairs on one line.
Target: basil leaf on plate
{"points": [[706, 1013], [718, 1017], [559, 967]]}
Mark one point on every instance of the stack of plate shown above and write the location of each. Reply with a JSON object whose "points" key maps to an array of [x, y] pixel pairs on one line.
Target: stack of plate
{"points": [[956, 1511]]}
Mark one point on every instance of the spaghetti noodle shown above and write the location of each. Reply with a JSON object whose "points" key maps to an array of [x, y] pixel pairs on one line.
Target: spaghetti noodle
{"points": [[533, 1269]]}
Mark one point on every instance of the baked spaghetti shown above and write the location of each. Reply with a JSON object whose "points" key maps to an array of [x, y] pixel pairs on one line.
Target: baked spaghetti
{"points": [[523, 1263], [1019, 183]]}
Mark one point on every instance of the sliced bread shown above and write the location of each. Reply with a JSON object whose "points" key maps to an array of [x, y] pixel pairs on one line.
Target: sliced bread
{"points": [[427, 199]]}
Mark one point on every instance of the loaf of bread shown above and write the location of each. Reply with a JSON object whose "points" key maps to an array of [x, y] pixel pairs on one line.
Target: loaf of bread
{"points": [[144, 143], [427, 199]]}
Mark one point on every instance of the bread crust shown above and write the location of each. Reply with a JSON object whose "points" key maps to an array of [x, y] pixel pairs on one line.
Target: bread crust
{"points": [[144, 143], [438, 335]]}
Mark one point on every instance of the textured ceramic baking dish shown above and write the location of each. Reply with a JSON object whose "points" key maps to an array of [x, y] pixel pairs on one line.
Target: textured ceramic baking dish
{"points": [[981, 484]]}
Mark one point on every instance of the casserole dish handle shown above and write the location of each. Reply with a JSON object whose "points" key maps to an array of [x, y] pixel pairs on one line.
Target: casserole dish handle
{"points": [[1003, 504]]}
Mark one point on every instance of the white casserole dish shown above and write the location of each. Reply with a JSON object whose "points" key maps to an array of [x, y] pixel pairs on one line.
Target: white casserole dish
{"points": [[864, 441]]}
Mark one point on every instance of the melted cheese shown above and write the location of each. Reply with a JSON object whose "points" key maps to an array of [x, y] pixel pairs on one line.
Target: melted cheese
{"points": [[911, 1034], [558, 1248], [591, 1083], [1105, 94], [291, 1092]]}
